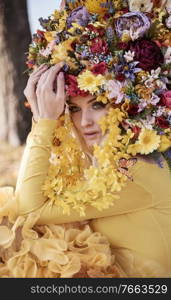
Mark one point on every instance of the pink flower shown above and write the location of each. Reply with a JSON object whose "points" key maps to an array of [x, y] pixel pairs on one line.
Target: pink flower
{"points": [[166, 99], [48, 50], [168, 22], [114, 88]]}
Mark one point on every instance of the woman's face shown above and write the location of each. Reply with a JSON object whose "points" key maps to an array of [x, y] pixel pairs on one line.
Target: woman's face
{"points": [[85, 114]]}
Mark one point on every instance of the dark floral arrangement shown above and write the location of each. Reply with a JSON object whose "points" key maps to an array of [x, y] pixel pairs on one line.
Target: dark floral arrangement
{"points": [[119, 51]]}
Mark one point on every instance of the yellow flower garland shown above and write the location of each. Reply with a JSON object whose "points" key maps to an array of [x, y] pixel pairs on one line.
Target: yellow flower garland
{"points": [[69, 184]]}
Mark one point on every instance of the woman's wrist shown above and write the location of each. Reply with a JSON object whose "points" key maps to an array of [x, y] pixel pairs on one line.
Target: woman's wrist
{"points": [[47, 117]]}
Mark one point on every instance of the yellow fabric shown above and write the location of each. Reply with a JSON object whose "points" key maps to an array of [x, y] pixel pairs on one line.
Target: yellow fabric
{"points": [[50, 251], [138, 225]]}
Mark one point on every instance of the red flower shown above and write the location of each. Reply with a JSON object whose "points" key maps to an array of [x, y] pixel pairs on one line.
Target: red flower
{"points": [[147, 53], [133, 110], [125, 10], [123, 46], [99, 46], [136, 130], [99, 68], [120, 77], [99, 30], [73, 45], [162, 122], [30, 64], [38, 37], [40, 33], [106, 16], [72, 88], [166, 99]]}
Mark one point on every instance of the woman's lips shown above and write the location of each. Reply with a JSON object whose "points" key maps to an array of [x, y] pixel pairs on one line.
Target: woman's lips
{"points": [[90, 135]]}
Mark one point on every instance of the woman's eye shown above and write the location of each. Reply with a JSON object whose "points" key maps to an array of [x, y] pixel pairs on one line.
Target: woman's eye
{"points": [[73, 109], [98, 105]]}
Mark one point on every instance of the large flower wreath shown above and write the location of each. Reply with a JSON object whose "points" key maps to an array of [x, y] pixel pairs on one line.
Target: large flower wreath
{"points": [[119, 51]]}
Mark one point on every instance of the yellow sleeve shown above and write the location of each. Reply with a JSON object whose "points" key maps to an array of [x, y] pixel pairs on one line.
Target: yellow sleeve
{"points": [[135, 196], [34, 166]]}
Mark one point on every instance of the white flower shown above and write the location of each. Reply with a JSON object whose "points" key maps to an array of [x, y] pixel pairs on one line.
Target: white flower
{"points": [[135, 34], [149, 83], [160, 111], [140, 5], [48, 50], [142, 105], [129, 56], [168, 22], [155, 73], [168, 6], [167, 57], [154, 99], [161, 84], [114, 88], [149, 122]]}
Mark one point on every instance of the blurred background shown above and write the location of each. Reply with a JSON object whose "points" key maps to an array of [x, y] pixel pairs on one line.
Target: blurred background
{"points": [[18, 21]]}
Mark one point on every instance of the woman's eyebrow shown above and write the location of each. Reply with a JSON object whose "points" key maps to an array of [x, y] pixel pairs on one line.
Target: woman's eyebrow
{"points": [[91, 100], [72, 104], [75, 104]]}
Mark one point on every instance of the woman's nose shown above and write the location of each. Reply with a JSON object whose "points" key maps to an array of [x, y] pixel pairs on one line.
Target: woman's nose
{"points": [[86, 119]]}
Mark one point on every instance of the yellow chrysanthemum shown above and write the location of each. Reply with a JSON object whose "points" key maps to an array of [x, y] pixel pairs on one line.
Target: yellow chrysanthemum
{"points": [[60, 52], [133, 149], [87, 81], [165, 143], [95, 6], [50, 35], [148, 140]]}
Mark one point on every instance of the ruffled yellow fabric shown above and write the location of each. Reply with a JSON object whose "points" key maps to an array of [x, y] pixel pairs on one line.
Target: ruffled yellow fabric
{"points": [[54, 251]]}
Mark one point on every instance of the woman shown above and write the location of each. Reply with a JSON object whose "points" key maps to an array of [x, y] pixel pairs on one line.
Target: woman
{"points": [[137, 225]]}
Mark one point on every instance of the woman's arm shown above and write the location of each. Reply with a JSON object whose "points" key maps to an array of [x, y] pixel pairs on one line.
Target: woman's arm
{"points": [[34, 166]]}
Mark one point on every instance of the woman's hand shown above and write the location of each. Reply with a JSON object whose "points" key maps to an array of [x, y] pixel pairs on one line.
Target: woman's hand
{"points": [[50, 93], [30, 90], [45, 92]]}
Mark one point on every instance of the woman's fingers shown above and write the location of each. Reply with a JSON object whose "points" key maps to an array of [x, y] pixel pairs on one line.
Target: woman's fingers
{"points": [[50, 100], [30, 90], [61, 86], [34, 77], [42, 80], [52, 74], [39, 69]]}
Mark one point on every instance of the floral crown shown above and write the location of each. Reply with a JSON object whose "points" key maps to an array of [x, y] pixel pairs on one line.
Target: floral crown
{"points": [[120, 51]]}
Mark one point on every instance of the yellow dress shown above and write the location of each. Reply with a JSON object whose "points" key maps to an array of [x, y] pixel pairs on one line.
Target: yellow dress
{"points": [[138, 225]]}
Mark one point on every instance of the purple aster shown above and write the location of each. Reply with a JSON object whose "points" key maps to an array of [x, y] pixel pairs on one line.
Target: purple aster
{"points": [[80, 16]]}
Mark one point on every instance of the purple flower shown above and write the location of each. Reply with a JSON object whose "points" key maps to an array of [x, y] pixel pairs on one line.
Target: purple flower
{"points": [[127, 69], [168, 153], [80, 16], [134, 24]]}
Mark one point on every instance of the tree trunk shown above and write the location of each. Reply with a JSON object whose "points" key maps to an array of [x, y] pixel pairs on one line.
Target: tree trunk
{"points": [[15, 36]]}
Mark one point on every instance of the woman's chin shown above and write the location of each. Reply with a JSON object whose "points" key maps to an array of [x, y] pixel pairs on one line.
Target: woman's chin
{"points": [[93, 142]]}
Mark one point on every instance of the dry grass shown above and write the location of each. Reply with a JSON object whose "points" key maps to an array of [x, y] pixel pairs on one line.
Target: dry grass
{"points": [[10, 158]]}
